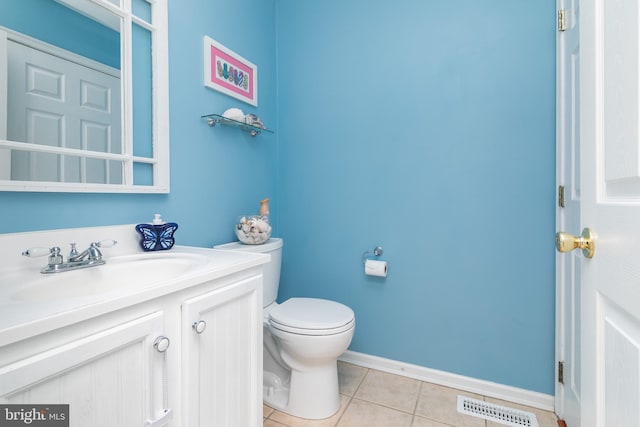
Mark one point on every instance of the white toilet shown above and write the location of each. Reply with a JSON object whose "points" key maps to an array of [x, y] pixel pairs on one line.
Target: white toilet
{"points": [[303, 338]]}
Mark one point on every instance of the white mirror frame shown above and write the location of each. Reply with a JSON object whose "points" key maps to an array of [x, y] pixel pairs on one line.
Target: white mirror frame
{"points": [[160, 105]]}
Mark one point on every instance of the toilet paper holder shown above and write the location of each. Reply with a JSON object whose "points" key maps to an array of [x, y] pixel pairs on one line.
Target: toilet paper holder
{"points": [[377, 251]]}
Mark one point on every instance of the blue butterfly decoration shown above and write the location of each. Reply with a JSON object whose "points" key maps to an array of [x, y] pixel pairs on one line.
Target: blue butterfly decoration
{"points": [[157, 237]]}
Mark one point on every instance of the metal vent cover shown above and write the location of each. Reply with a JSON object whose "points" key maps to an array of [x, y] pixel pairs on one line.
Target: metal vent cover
{"points": [[496, 413]]}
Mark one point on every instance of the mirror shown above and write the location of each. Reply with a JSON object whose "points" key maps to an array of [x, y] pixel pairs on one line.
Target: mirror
{"points": [[83, 96]]}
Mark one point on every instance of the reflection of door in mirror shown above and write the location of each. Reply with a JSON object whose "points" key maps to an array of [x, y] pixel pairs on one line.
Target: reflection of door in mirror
{"points": [[88, 108], [62, 90], [63, 100]]}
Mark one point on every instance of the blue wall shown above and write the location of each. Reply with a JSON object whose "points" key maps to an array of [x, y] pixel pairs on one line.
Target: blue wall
{"points": [[426, 127]]}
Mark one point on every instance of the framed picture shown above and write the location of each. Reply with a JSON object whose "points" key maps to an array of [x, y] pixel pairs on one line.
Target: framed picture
{"points": [[230, 73]]}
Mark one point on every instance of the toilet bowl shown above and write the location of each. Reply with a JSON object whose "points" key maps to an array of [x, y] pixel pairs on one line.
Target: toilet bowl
{"points": [[303, 338], [310, 334]]}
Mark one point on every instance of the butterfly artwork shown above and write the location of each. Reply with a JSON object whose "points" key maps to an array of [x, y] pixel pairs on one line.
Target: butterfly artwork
{"points": [[156, 237]]}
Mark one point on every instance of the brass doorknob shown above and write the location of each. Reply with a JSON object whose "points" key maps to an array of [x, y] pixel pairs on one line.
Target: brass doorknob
{"points": [[566, 242]]}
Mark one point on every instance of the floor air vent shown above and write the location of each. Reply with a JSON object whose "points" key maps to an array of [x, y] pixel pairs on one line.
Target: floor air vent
{"points": [[496, 413]]}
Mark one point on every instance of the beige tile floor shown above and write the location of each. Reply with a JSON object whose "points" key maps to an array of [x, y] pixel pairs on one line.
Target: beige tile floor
{"points": [[372, 398]]}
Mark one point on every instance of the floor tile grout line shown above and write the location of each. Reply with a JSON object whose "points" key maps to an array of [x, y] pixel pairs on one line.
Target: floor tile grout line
{"points": [[361, 399], [367, 370], [343, 412], [361, 381], [383, 406], [415, 404], [445, 423]]}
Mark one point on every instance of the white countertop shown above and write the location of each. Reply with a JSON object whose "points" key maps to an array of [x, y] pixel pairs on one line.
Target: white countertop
{"points": [[28, 306]]}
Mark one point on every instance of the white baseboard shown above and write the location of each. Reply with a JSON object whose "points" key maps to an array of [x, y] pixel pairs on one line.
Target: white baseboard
{"points": [[472, 385]]}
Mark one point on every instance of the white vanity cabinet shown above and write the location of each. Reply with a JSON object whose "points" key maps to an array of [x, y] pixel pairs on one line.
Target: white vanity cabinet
{"points": [[222, 356], [185, 353], [110, 377]]}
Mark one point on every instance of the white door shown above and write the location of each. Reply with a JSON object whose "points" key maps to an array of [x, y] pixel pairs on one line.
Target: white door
{"points": [[567, 393], [62, 102], [610, 206]]}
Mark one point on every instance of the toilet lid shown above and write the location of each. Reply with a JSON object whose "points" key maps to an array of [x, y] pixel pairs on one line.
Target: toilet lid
{"points": [[311, 314]]}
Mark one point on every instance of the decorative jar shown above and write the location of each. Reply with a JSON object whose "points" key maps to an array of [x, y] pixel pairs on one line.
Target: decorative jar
{"points": [[253, 229]]}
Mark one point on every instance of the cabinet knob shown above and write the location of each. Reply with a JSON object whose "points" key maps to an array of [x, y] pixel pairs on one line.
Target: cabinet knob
{"points": [[199, 326], [161, 344]]}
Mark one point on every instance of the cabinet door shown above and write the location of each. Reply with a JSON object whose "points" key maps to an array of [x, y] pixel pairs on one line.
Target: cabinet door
{"points": [[112, 378], [222, 357]]}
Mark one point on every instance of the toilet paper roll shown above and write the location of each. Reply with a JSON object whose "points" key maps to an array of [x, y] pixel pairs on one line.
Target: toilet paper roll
{"points": [[375, 268]]}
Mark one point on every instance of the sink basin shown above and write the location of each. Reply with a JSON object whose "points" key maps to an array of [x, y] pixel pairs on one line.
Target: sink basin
{"points": [[131, 272]]}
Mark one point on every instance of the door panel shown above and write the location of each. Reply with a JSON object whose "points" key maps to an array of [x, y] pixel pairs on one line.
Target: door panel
{"points": [[621, 342], [611, 207], [223, 359], [112, 378]]}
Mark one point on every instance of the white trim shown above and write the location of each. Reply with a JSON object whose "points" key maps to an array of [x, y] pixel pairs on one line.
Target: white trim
{"points": [[5, 155], [460, 382], [96, 12], [160, 104], [61, 53]]}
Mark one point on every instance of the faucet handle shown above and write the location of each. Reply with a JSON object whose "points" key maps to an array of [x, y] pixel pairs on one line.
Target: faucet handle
{"points": [[55, 259], [74, 251], [105, 243], [37, 251], [94, 252]]}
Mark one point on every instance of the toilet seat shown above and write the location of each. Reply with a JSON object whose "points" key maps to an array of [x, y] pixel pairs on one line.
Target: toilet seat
{"points": [[312, 316]]}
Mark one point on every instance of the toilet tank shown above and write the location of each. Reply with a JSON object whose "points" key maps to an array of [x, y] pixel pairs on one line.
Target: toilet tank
{"points": [[271, 270]]}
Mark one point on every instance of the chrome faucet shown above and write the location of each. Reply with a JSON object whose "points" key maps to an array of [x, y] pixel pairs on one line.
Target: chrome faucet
{"points": [[90, 257], [92, 253]]}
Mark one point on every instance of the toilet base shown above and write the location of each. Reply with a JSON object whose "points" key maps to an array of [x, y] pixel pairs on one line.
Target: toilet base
{"points": [[315, 393]]}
